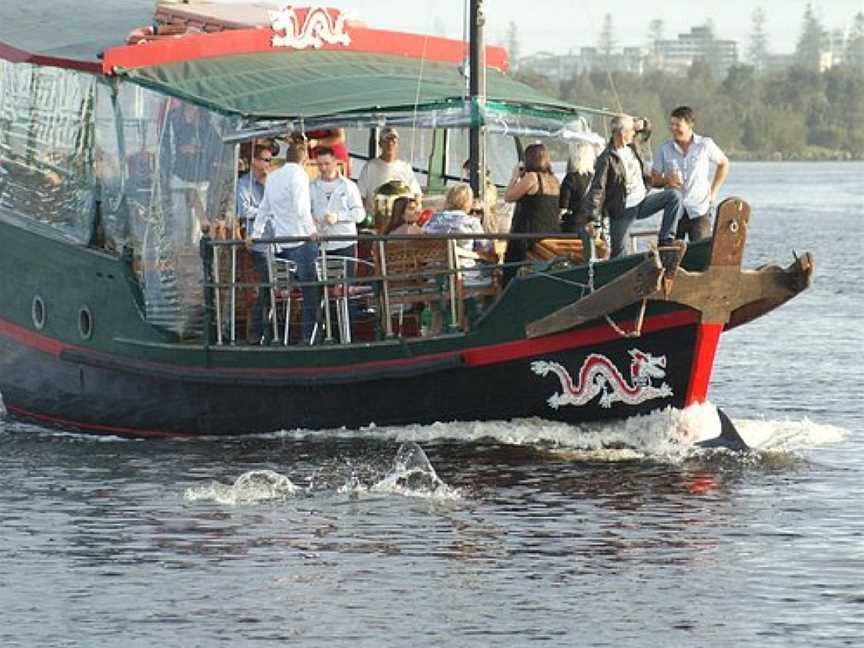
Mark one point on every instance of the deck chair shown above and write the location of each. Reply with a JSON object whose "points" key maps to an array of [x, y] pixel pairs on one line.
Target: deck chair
{"points": [[468, 290], [337, 272], [281, 279], [418, 271]]}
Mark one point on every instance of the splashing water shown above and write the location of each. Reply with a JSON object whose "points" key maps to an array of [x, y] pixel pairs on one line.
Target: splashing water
{"points": [[251, 487], [412, 475]]}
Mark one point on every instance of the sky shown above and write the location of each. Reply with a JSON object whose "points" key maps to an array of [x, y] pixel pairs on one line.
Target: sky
{"points": [[559, 25]]}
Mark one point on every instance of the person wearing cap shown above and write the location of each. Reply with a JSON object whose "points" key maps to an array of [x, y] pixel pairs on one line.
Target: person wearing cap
{"points": [[386, 168]]}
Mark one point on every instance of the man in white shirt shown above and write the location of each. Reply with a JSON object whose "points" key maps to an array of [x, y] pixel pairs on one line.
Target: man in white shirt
{"points": [[286, 210], [384, 168], [684, 164], [337, 207]]}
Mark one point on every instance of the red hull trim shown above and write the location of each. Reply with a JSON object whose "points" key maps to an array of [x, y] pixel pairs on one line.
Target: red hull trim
{"points": [[94, 427], [188, 47], [707, 339], [476, 357], [572, 339]]}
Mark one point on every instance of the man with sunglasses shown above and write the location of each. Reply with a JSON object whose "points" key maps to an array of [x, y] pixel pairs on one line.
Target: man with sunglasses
{"points": [[250, 186]]}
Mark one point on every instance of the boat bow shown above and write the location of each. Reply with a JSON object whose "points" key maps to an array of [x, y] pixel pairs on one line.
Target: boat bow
{"points": [[722, 292]]}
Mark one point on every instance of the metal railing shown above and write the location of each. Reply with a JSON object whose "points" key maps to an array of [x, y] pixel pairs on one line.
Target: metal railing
{"points": [[222, 285]]}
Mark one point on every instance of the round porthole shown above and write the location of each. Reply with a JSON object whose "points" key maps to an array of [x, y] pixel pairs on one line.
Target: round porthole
{"points": [[39, 312], [85, 323]]}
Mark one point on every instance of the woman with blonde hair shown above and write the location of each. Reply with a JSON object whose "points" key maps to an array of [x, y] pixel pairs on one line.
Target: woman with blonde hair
{"points": [[534, 189], [574, 189], [456, 219]]}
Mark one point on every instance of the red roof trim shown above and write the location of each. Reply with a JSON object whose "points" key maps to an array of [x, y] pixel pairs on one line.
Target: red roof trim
{"points": [[252, 41], [15, 55]]}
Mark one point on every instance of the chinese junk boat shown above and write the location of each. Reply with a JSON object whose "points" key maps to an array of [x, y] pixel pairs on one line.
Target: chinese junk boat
{"points": [[127, 288]]}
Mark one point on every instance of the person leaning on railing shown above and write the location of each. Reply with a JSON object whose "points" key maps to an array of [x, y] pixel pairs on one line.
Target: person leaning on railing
{"points": [[336, 205], [535, 190]]}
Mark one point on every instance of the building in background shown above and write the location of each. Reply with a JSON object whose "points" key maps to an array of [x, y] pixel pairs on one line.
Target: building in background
{"points": [[677, 55]]}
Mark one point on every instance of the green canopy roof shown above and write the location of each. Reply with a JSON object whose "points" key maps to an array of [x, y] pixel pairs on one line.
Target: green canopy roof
{"points": [[315, 84]]}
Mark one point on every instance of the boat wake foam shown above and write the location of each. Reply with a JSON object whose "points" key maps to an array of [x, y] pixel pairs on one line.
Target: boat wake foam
{"points": [[411, 475], [788, 436], [249, 488], [665, 435]]}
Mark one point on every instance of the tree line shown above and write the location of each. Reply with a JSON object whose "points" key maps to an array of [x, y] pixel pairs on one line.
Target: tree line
{"points": [[795, 113], [798, 112]]}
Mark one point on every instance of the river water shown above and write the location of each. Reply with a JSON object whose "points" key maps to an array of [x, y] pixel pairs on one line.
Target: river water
{"points": [[480, 534]]}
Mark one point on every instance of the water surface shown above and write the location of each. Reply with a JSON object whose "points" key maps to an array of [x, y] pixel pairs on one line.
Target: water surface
{"points": [[496, 533]]}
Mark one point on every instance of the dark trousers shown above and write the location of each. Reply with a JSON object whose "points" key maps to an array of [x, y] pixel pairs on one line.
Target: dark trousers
{"points": [[304, 256], [262, 304], [694, 229]]}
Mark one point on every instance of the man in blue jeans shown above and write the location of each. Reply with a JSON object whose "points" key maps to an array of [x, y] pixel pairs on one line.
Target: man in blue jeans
{"points": [[620, 188], [286, 210]]}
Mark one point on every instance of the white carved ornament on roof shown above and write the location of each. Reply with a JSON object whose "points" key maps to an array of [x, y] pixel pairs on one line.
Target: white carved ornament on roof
{"points": [[318, 28]]}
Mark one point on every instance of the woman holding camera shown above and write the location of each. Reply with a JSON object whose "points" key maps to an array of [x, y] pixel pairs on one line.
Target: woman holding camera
{"points": [[534, 189]]}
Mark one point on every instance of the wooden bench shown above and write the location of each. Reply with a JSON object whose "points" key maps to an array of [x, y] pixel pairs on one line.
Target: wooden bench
{"points": [[572, 249]]}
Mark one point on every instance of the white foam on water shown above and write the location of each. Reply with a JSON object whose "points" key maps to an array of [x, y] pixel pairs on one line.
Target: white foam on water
{"points": [[789, 436], [412, 475], [665, 435], [250, 488]]}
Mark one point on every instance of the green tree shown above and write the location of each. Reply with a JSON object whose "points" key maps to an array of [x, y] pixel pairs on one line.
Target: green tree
{"points": [[855, 43], [742, 85], [758, 50], [797, 112], [812, 41], [607, 43]]}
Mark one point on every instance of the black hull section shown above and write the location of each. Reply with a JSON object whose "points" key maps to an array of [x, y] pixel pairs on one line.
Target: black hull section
{"points": [[59, 390]]}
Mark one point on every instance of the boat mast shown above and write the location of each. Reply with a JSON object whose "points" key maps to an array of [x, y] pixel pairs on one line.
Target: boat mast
{"points": [[477, 143]]}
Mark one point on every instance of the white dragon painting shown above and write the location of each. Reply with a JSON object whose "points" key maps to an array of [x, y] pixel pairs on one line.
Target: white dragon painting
{"points": [[599, 376], [318, 28]]}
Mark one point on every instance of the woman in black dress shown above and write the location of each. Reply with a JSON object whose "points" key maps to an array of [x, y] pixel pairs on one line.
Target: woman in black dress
{"points": [[534, 189]]}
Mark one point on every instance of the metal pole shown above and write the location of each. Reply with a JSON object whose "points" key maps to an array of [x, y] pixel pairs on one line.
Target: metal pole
{"points": [[218, 295], [477, 143]]}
